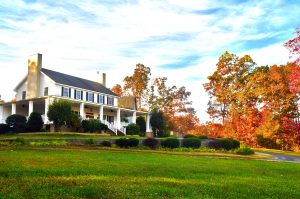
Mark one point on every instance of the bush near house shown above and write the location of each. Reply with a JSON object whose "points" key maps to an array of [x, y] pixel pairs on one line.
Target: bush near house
{"points": [[4, 128], [60, 113], [35, 122], [191, 142], [214, 144], [16, 123], [189, 136], [245, 151], [125, 143], [151, 142], [132, 129], [202, 136], [228, 144], [93, 125], [170, 143], [75, 122]]}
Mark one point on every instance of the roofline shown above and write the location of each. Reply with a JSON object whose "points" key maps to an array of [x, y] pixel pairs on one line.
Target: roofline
{"points": [[24, 79]]}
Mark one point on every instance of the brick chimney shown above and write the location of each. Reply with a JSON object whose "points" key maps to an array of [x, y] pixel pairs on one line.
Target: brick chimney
{"points": [[33, 77], [102, 78]]}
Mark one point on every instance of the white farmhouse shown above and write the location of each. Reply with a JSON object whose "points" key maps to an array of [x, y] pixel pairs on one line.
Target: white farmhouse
{"points": [[89, 99]]}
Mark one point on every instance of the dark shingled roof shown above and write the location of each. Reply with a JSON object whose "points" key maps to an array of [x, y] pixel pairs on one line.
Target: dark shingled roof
{"points": [[69, 80]]}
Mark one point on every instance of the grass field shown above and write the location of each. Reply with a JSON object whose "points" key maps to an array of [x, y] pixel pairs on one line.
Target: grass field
{"points": [[59, 173]]}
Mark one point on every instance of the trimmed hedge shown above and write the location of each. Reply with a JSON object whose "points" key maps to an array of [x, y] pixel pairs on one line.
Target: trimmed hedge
{"points": [[124, 142], [214, 144], [191, 143], [189, 136], [93, 125], [17, 123], [170, 143], [35, 122], [228, 143], [202, 136], [151, 142]]}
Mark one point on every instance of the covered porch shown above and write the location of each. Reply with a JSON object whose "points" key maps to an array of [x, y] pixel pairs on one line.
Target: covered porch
{"points": [[115, 118]]}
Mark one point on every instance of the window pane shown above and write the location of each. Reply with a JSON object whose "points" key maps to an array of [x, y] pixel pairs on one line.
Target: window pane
{"points": [[78, 95], [46, 91], [65, 92]]}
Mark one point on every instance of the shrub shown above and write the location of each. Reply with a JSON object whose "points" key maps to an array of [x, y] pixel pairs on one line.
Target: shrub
{"points": [[122, 142], [191, 142], [90, 142], [202, 136], [75, 122], [235, 144], [170, 143], [132, 129], [35, 122], [4, 128], [94, 125], [245, 151], [189, 136], [103, 127], [226, 143], [133, 142], [17, 123], [151, 142], [106, 143], [85, 125], [214, 144]]}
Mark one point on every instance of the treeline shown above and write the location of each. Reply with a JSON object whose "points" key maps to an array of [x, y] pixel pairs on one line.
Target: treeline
{"points": [[256, 104]]}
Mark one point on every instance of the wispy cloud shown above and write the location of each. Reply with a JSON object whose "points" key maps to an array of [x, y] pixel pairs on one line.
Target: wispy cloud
{"points": [[178, 39]]}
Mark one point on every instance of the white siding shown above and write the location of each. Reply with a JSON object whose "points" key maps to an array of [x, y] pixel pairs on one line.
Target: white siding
{"points": [[22, 87], [47, 82]]}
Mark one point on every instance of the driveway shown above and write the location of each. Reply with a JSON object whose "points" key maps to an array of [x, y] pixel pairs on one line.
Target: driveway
{"points": [[281, 157]]}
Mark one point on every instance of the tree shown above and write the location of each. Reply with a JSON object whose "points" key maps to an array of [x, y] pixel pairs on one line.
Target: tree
{"points": [[142, 124], [117, 89], [157, 122], [35, 122], [226, 83], [59, 112], [185, 123], [75, 122], [137, 83], [293, 46]]}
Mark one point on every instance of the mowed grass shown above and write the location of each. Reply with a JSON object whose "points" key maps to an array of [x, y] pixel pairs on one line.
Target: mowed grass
{"points": [[60, 173]]}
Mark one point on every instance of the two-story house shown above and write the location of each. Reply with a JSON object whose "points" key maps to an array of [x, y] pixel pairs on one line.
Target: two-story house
{"points": [[89, 99]]}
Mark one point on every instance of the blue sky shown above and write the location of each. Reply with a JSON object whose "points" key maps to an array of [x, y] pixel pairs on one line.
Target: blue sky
{"points": [[180, 39]]}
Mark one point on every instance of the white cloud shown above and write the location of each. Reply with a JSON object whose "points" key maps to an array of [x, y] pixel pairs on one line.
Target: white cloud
{"points": [[85, 37]]}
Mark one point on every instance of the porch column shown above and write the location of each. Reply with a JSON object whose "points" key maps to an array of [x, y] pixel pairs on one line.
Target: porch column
{"points": [[13, 108], [46, 121], [118, 118], [82, 110], [1, 114], [148, 123], [101, 113], [30, 108], [134, 117]]}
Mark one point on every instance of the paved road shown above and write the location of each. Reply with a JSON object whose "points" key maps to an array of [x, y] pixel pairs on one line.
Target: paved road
{"points": [[280, 157]]}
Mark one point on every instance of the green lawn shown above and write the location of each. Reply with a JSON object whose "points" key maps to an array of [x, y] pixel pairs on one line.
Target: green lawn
{"points": [[60, 173]]}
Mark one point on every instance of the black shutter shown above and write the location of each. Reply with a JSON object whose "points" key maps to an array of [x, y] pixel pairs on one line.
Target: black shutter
{"points": [[98, 98], [74, 94], [62, 91], [69, 92], [93, 97], [81, 95], [86, 97]]}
